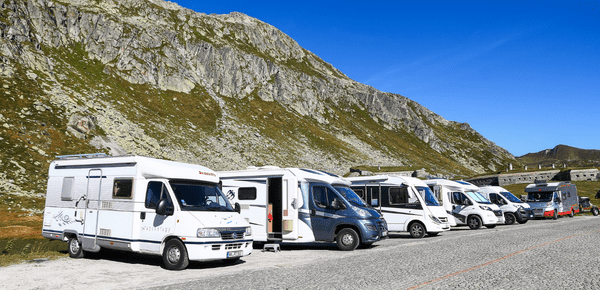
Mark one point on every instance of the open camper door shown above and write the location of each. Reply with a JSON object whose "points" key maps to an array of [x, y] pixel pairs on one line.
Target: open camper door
{"points": [[91, 212], [275, 197], [291, 202]]}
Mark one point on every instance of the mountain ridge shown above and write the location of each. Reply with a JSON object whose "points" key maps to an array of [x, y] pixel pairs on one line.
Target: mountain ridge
{"points": [[225, 91], [563, 154]]}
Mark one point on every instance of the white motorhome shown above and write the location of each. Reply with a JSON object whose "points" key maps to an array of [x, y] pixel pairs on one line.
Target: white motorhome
{"points": [[552, 199], [406, 203], [465, 205], [293, 205], [144, 205], [513, 208]]}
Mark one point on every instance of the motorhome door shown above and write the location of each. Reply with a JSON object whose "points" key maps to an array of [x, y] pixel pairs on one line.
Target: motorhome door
{"points": [[290, 203], [91, 213], [275, 197]]}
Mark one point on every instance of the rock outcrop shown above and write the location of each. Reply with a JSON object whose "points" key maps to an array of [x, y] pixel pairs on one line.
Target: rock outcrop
{"points": [[226, 91]]}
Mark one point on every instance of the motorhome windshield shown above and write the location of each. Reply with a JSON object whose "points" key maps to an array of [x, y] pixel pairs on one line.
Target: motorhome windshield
{"points": [[544, 196], [350, 195], [428, 196], [477, 197], [195, 196], [511, 197]]}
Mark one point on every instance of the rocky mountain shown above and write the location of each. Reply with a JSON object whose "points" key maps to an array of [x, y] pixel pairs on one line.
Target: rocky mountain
{"points": [[563, 154], [226, 91]]}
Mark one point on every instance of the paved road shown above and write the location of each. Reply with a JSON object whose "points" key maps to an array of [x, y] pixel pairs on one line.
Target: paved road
{"points": [[542, 254]]}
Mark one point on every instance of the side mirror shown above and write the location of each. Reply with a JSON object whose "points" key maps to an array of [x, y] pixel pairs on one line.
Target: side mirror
{"points": [[163, 208], [466, 202], [337, 204], [238, 208]]}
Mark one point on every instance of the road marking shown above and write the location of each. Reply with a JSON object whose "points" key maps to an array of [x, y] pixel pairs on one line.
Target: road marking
{"points": [[497, 260]]}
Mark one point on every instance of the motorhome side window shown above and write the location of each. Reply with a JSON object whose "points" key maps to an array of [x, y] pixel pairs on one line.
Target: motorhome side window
{"points": [[122, 188], [247, 193], [67, 188], [401, 195], [155, 192], [323, 196], [494, 198], [458, 197]]}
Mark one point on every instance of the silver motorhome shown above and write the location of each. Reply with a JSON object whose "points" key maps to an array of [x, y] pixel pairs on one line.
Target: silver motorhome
{"points": [[515, 210], [296, 205], [551, 200]]}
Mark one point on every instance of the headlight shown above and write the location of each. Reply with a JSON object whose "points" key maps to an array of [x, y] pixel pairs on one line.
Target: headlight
{"points": [[371, 227], [208, 233], [485, 207], [434, 219], [361, 212], [248, 232]]}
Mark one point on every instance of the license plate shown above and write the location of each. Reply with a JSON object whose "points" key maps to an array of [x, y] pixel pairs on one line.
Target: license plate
{"points": [[384, 233], [234, 254]]}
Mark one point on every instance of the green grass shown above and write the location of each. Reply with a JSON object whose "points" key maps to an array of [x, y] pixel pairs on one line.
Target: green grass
{"points": [[15, 251]]}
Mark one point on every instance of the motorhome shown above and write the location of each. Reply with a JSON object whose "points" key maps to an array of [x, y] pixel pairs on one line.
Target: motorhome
{"points": [[144, 205], [514, 209], [406, 203], [551, 200], [464, 204], [293, 205]]}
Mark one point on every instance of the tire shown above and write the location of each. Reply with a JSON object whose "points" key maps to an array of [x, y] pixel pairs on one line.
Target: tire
{"points": [[522, 221], [555, 216], [474, 222], [175, 255], [347, 239], [509, 218], [572, 213], [490, 226], [417, 230], [433, 234], [74, 248], [594, 211]]}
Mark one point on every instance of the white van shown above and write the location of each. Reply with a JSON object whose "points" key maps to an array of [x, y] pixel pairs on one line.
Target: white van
{"points": [[144, 205], [465, 205], [294, 205], [407, 204], [513, 208]]}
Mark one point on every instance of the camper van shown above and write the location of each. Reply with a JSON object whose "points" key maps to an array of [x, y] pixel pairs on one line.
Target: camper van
{"points": [[144, 205], [551, 200], [513, 208], [407, 204], [293, 205], [465, 205]]}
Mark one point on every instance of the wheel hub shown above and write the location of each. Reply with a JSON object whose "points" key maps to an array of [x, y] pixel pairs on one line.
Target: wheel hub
{"points": [[174, 255]]}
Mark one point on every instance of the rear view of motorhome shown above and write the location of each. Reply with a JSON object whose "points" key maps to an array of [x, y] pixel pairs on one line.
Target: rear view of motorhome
{"points": [[514, 209], [292, 205], [551, 200], [144, 205], [465, 205], [407, 204]]}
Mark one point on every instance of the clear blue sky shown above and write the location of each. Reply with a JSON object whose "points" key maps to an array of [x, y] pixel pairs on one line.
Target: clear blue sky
{"points": [[525, 74]]}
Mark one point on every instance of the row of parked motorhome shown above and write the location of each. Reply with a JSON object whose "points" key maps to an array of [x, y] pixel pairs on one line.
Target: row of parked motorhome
{"points": [[188, 212]]}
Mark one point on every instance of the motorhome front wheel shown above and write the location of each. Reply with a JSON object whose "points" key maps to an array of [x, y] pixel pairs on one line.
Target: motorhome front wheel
{"points": [[74, 248], [175, 256], [347, 239]]}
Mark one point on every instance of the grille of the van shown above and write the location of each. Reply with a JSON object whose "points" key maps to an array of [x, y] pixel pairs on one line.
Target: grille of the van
{"points": [[443, 219], [233, 246], [232, 235], [498, 212]]}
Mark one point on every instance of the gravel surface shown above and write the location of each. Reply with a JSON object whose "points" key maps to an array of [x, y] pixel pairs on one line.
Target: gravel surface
{"points": [[541, 254]]}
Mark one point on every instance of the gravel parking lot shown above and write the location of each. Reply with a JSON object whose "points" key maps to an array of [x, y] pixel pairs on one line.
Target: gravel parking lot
{"points": [[540, 254]]}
